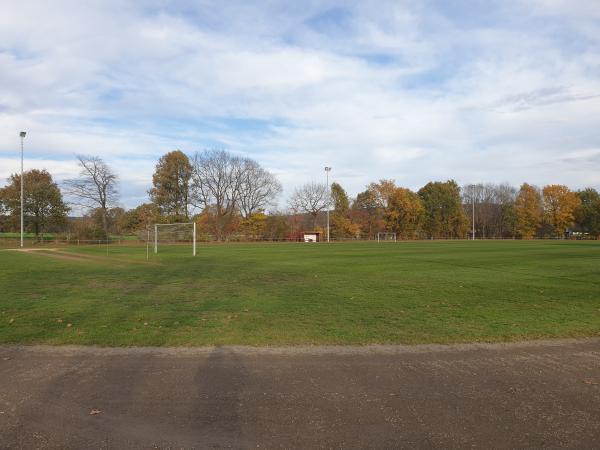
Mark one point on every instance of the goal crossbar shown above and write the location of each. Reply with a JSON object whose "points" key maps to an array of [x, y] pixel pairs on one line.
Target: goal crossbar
{"points": [[156, 225]]}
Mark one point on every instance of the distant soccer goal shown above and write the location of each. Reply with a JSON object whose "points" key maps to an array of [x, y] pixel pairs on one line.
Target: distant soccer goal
{"points": [[175, 233], [384, 236]]}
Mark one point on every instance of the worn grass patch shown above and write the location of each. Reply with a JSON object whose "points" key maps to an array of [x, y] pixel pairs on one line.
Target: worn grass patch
{"points": [[274, 294]]}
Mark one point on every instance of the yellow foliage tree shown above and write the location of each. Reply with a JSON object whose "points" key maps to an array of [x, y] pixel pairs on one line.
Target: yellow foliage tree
{"points": [[171, 184], [528, 211], [560, 204], [342, 227], [254, 226], [382, 191], [404, 213]]}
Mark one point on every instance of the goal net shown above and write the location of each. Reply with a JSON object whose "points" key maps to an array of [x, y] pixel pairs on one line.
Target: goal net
{"points": [[175, 233], [386, 236]]}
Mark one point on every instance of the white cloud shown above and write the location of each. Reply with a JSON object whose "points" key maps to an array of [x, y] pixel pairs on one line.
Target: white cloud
{"points": [[393, 91]]}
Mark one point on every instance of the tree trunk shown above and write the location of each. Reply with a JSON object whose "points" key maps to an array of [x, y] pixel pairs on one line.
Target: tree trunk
{"points": [[104, 223], [218, 226]]}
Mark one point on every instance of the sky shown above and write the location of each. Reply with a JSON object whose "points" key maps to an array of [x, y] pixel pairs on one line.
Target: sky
{"points": [[415, 91]]}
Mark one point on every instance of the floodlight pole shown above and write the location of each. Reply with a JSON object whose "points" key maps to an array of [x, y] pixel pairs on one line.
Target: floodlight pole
{"points": [[194, 239], [327, 170], [155, 238], [22, 134], [473, 211]]}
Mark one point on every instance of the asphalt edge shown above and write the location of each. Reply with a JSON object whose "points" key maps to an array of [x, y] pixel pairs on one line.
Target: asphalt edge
{"points": [[315, 350]]}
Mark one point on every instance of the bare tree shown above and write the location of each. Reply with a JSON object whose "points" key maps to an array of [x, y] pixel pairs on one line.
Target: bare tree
{"points": [[95, 188], [216, 180], [492, 207], [258, 188], [310, 198]]}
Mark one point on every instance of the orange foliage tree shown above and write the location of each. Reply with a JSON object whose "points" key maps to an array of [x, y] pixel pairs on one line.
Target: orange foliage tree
{"points": [[382, 191], [560, 204], [404, 213], [528, 211]]}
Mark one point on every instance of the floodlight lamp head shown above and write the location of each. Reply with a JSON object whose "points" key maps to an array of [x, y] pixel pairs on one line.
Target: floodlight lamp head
{"points": [[22, 134], [327, 169]]}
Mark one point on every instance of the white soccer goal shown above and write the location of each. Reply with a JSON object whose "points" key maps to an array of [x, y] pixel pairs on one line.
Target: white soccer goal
{"points": [[175, 233], [386, 236]]}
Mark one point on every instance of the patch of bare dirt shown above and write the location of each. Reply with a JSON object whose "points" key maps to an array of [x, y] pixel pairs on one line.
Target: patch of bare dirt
{"points": [[56, 253]]}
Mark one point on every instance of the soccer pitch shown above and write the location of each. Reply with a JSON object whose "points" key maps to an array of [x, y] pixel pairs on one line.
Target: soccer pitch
{"points": [[280, 294]]}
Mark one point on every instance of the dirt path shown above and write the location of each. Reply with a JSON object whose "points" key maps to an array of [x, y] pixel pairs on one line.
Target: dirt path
{"points": [[56, 253], [525, 395], [62, 255]]}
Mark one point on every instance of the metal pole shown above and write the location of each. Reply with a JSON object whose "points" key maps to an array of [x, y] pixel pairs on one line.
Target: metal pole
{"points": [[156, 238], [194, 251], [473, 204], [147, 243], [327, 169], [22, 134]]}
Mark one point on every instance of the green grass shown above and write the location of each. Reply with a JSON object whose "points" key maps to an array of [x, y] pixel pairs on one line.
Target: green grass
{"points": [[272, 294]]}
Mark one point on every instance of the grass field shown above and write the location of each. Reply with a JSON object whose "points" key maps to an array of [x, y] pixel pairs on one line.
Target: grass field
{"points": [[13, 239], [268, 294]]}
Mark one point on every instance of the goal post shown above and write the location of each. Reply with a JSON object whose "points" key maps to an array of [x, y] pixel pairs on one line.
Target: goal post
{"points": [[386, 236], [176, 232]]}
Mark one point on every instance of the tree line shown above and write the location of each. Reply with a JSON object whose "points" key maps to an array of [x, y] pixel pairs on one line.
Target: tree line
{"points": [[231, 197]]}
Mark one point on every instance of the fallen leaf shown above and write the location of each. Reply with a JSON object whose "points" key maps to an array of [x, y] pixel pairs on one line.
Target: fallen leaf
{"points": [[93, 412], [590, 382], [69, 325], [60, 321], [11, 320]]}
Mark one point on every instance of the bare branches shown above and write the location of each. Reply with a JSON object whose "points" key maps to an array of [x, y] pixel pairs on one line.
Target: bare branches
{"points": [[228, 184], [258, 188], [95, 187], [310, 198], [492, 203], [215, 182]]}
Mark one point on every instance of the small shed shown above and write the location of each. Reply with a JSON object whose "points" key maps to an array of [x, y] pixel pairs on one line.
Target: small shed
{"points": [[312, 236]]}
